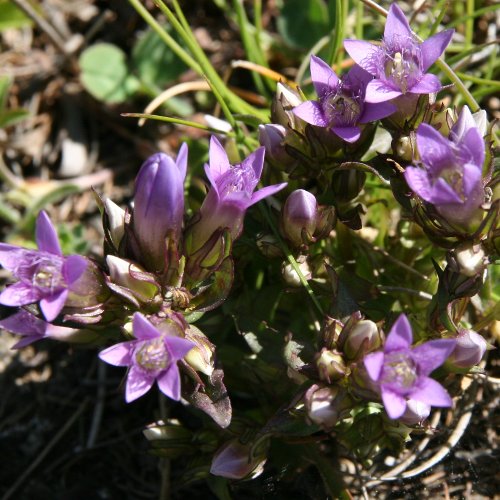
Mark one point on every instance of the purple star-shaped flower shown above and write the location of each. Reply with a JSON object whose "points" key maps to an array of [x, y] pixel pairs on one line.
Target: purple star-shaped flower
{"points": [[451, 177], [402, 372], [153, 356], [400, 63], [231, 193], [341, 105], [44, 275]]}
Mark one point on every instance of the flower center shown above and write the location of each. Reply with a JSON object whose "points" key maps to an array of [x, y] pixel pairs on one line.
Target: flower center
{"points": [[342, 107], [151, 355], [237, 179], [402, 64], [399, 372], [42, 272]]}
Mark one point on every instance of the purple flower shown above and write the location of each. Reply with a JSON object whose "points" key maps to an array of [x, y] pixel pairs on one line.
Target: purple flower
{"points": [[153, 356], [341, 105], [32, 329], [469, 350], [159, 205], [299, 217], [231, 194], [400, 63], [44, 275], [452, 175], [401, 372]]}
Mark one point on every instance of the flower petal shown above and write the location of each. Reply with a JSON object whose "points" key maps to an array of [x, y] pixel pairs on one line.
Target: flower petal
{"points": [[311, 112], [400, 336], [432, 354], [348, 134], [432, 393], [419, 181], [428, 84], [138, 383], [46, 235], [254, 161], [396, 25], [464, 122], [181, 161], [265, 192], [11, 255], [474, 144], [373, 363], [74, 266], [217, 158], [434, 149], [24, 323], [442, 193], [378, 91], [169, 382], [119, 354], [51, 305], [472, 184], [363, 54], [433, 47], [143, 329], [323, 77], [373, 112], [177, 346], [19, 294], [394, 404]]}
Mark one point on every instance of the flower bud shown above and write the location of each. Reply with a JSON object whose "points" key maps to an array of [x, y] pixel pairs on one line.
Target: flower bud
{"points": [[363, 338], [284, 101], [299, 217], [89, 289], [201, 356], [415, 413], [291, 276], [268, 245], [235, 461], [159, 206], [325, 404], [331, 365], [272, 137], [347, 184], [469, 259], [469, 350], [133, 278], [115, 222]]}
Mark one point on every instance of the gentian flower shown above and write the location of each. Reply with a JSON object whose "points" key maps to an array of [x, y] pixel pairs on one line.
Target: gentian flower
{"points": [[231, 194], [452, 175], [159, 206], [44, 275], [341, 105], [400, 63], [152, 356], [299, 217], [402, 372]]}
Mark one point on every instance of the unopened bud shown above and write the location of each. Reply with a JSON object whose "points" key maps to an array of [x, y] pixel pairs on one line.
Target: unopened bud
{"points": [[331, 365], [272, 137], [115, 219], [347, 184], [325, 404], [201, 356], [363, 338], [469, 349], [291, 276], [299, 217], [469, 259], [415, 413], [284, 101]]}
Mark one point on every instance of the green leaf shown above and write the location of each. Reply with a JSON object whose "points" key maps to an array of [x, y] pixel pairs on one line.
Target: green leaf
{"points": [[5, 82], [303, 23], [105, 75], [12, 16], [12, 116], [155, 63]]}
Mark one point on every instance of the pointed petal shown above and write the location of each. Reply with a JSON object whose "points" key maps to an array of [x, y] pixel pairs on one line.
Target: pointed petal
{"points": [[25, 323], [474, 143], [396, 25], [19, 294], [442, 193], [419, 182], [74, 266], [432, 354], [217, 158], [472, 183], [373, 363], [138, 383], [169, 382], [464, 122], [377, 91], [348, 134], [255, 161], [433, 47], [212, 180], [394, 404], [324, 78], [29, 339], [143, 329], [119, 354], [51, 306], [363, 53], [428, 84], [373, 112], [358, 76], [265, 192], [432, 393], [400, 336], [177, 347], [182, 157], [10, 256], [46, 235], [434, 149], [311, 112]]}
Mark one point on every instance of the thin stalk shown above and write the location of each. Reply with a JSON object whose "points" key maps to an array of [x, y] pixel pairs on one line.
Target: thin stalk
{"points": [[443, 7], [360, 11], [477, 13], [480, 81], [469, 23], [338, 32]]}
